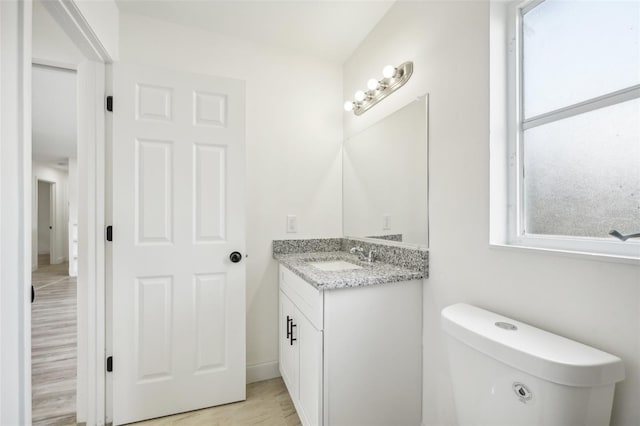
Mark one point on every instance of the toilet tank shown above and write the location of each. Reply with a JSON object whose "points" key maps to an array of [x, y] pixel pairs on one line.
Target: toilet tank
{"points": [[507, 373]]}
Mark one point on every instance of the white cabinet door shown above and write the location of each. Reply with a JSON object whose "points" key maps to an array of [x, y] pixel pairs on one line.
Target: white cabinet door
{"points": [[178, 213], [289, 355], [310, 392]]}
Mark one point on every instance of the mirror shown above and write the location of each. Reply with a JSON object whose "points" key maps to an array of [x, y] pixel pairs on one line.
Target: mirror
{"points": [[384, 178]]}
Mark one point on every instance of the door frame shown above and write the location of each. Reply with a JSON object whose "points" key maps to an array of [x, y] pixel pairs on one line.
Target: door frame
{"points": [[90, 392], [16, 209]]}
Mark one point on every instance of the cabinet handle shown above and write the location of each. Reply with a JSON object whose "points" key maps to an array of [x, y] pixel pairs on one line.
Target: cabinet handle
{"points": [[292, 339], [289, 321]]}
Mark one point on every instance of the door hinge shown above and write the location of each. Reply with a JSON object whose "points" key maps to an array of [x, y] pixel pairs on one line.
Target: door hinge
{"points": [[109, 364], [109, 233], [110, 103]]}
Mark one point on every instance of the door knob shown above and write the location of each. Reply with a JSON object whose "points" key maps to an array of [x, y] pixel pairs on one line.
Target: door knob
{"points": [[235, 257]]}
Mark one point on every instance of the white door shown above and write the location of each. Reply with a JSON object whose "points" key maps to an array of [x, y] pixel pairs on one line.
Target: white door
{"points": [[178, 213]]}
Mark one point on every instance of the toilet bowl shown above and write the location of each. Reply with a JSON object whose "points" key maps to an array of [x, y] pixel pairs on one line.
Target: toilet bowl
{"points": [[507, 373]]}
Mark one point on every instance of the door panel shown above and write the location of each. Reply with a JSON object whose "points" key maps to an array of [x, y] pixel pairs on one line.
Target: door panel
{"points": [[154, 191], [209, 185], [210, 314], [310, 342], [178, 212], [153, 328]]}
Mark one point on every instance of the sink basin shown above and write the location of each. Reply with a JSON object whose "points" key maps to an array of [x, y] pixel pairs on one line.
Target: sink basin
{"points": [[335, 265]]}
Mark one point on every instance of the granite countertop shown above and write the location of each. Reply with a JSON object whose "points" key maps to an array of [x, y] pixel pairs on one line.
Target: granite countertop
{"points": [[370, 274]]}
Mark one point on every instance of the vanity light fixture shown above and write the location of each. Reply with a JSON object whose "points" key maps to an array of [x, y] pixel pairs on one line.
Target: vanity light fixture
{"points": [[393, 79]]}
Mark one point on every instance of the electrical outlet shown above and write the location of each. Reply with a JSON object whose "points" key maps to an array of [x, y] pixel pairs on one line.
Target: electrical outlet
{"points": [[292, 224], [386, 222]]}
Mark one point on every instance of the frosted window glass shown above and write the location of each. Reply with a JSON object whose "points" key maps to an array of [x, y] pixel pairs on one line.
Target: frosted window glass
{"points": [[578, 50], [582, 174]]}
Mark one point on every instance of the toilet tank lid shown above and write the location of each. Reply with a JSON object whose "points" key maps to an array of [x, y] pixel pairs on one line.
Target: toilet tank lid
{"points": [[530, 349]]}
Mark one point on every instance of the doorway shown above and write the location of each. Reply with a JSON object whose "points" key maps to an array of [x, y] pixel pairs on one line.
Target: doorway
{"points": [[45, 206], [79, 21], [54, 311]]}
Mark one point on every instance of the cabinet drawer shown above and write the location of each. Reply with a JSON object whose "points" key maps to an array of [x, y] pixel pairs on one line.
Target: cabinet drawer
{"points": [[305, 296]]}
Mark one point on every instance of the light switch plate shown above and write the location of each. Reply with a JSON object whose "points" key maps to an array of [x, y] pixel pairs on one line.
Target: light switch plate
{"points": [[292, 224]]}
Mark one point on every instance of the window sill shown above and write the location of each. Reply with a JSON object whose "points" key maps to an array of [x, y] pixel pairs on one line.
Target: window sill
{"points": [[598, 257]]}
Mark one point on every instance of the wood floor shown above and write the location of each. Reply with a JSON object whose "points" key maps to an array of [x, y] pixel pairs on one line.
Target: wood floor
{"points": [[53, 345], [268, 404]]}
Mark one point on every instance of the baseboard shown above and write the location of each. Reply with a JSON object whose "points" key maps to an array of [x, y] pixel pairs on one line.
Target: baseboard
{"points": [[262, 371]]}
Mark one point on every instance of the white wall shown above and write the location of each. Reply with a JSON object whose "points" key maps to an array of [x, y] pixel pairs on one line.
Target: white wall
{"points": [[42, 171], [53, 113], [102, 16], [591, 301], [50, 43], [293, 133]]}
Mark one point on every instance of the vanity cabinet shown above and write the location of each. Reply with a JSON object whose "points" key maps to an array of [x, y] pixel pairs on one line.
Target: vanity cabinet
{"points": [[301, 361], [352, 356]]}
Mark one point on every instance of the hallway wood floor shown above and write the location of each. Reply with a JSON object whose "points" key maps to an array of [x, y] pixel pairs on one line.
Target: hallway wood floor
{"points": [[53, 345]]}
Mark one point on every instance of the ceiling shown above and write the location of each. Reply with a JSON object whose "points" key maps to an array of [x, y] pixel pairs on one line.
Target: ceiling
{"points": [[53, 114], [331, 30]]}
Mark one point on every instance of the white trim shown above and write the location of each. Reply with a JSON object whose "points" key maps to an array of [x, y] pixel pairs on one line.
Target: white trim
{"points": [[603, 101], [262, 371], [567, 253], [91, 269], [609, 248], [527, 6], [58, 66], [15, 209]]}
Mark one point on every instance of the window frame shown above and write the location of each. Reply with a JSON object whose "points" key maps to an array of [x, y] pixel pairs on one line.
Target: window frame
{"points": [[517, 124]]}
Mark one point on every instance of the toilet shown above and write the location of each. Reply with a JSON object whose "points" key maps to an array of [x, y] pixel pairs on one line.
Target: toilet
{"points": [[507, 373]]}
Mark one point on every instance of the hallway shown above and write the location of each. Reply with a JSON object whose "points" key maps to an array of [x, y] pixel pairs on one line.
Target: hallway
{"points": [[53, 345]]}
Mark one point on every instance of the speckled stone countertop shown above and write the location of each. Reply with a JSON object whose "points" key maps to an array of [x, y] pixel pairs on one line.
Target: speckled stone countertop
{"points": [[377, 272]]}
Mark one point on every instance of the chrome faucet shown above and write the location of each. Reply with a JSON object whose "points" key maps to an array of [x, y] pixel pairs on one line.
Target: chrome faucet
{"points": [[361, 256]]}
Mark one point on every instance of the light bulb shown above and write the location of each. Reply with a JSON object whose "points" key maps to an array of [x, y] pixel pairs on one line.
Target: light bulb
{"points": [[359, 95], [372, 84], [348, 106], [389, 71]]}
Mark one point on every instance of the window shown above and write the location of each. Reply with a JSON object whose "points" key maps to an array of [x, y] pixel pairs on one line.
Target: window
{"points": [[575, 125]]}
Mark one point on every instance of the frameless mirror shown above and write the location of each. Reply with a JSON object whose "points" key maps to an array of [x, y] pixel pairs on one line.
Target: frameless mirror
{"points": [[384, 178]]}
